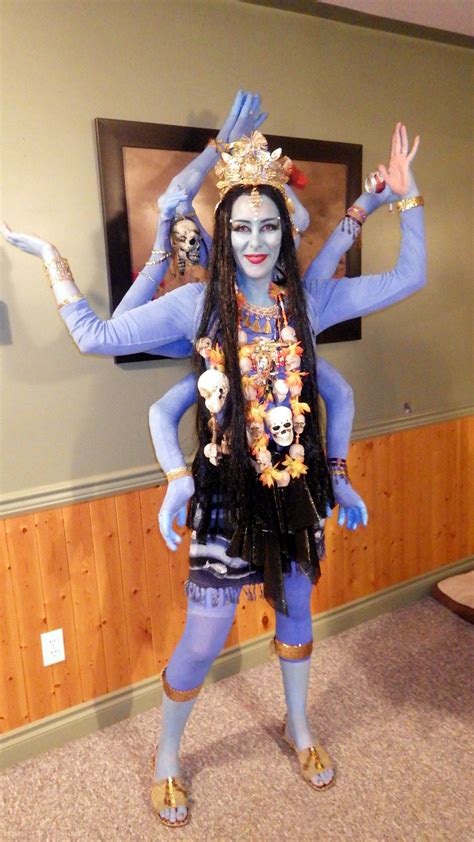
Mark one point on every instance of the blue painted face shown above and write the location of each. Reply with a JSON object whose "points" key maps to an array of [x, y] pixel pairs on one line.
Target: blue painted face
{"points": [[255, 237]]}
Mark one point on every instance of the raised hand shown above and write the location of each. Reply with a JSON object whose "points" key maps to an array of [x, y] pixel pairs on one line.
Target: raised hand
{"points": [[398, 176], [244, 117], [29, 243]]}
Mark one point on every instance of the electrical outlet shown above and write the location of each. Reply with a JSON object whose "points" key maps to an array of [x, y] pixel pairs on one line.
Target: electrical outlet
{"points": [[52, 644]]}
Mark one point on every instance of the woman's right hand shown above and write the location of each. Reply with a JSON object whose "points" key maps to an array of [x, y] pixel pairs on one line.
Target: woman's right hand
{"points": [[175, 504], [29, 243]]}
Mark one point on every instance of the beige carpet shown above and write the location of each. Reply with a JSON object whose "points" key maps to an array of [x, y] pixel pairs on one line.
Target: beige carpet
{"points": [[390, 699]]}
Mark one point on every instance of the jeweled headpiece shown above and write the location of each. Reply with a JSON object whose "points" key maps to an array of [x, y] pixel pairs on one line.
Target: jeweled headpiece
{"points": [[248, 162]]}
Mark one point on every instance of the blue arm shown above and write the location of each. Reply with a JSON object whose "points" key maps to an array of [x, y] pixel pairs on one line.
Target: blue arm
{"points": [[164, 418], [339, 401], [346, 298], [167, 322]]}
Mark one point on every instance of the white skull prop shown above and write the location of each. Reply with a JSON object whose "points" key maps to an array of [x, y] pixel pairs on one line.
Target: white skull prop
{"points": [[186, 241], [264, 459], [280, 424], [254, 430], [213, 386], [299, 424], [280, 390]]}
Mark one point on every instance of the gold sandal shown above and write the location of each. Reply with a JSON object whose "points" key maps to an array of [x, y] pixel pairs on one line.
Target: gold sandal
{"points": [[169, 792], [313, 760]]}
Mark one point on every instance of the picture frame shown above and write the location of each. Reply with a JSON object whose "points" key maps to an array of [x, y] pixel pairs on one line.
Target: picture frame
{"points": [[138, 160]]}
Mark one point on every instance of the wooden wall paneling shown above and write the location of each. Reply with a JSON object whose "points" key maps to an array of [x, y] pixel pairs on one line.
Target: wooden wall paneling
{"points": [[31, 614], [332, 567], [179, 571], [135, 585], [359, 550], [397, 569], [438, 455], [85, 599], [413, 503], [58, 602], [165, 632], [111, 599], [465, 478], [13, 700], [379, 513]]}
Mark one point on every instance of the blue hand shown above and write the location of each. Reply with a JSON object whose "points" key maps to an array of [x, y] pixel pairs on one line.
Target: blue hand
{"points": [[352, 509], [174, 505]]}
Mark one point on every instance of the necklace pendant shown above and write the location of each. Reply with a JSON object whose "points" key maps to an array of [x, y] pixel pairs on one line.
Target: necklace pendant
{"points": [[256, 325], [268, 327]]}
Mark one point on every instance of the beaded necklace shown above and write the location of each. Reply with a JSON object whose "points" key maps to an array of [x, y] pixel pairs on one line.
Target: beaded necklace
{"points": [[272, 384]]}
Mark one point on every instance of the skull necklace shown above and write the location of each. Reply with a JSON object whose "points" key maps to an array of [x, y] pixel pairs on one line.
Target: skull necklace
{"points": [[271, 382]]}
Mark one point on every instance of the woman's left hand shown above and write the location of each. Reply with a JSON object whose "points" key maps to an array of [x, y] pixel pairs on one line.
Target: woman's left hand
{"points": [[398, 175]]}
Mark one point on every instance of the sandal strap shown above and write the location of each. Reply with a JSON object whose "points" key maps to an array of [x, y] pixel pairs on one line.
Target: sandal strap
{"points": [[168, 792], [313, 760]]}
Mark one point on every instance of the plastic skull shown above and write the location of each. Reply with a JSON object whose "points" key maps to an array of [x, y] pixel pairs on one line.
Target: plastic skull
{"points": [[213, 386], [186, 241], [280, 424], [264, 459], [280, 390], [299, 424]]}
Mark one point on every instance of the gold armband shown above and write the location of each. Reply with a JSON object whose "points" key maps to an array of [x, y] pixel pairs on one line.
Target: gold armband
{"points": [[408, 204], [57, 270], [176, 473], [71, 300]]}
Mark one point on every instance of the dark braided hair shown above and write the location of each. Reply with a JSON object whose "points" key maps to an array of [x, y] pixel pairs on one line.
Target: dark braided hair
{"points": [[233, 480]]}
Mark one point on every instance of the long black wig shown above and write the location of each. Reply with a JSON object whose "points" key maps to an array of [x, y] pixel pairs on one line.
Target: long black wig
{"points": [[232, 485]]}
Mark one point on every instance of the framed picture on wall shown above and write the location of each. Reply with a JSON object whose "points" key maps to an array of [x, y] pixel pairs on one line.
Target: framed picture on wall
{"points": [[138, 160]]}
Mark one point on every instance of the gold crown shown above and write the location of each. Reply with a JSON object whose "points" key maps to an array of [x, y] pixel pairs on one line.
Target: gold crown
{"points": [[247, 161]]}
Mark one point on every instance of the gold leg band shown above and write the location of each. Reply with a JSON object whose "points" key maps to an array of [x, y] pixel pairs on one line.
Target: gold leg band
{"points": [[293, 653], [178, 695]]}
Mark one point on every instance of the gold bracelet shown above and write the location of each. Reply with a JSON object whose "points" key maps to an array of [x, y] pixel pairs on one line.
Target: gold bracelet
{"points": [[57, 270], [71, 300], [176, 473], [219, 145], [408, 204]]}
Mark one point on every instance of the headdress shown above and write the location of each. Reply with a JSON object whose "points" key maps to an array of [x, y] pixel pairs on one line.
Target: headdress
{"points": [[248, 162]]}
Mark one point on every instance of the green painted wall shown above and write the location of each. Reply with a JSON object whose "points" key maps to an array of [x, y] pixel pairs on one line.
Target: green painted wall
{"points": [[68, 417]]}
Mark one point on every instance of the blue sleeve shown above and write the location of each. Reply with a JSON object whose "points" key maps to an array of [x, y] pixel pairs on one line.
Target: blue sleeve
{"points": [[338, 300], [142, 290], [325, 263], [164, 418], [339, 401], [167, 321]]}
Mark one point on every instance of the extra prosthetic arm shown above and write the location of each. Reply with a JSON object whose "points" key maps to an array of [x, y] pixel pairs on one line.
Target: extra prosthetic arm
{"points": [[347, 298], [244, 117], [164, 418], [338, 398]]}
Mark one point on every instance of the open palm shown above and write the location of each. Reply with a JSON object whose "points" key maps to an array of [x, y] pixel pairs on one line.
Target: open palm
{"points": [[397, 175]]}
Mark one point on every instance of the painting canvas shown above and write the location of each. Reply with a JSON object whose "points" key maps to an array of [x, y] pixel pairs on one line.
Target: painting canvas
{"points": [[137, 162]]}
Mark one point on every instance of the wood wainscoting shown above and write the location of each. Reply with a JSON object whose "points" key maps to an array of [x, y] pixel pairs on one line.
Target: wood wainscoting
{"points": [[100, 570]]}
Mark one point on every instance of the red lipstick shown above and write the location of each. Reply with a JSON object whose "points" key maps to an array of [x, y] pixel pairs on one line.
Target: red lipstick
{"points": [[256, 258]]}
